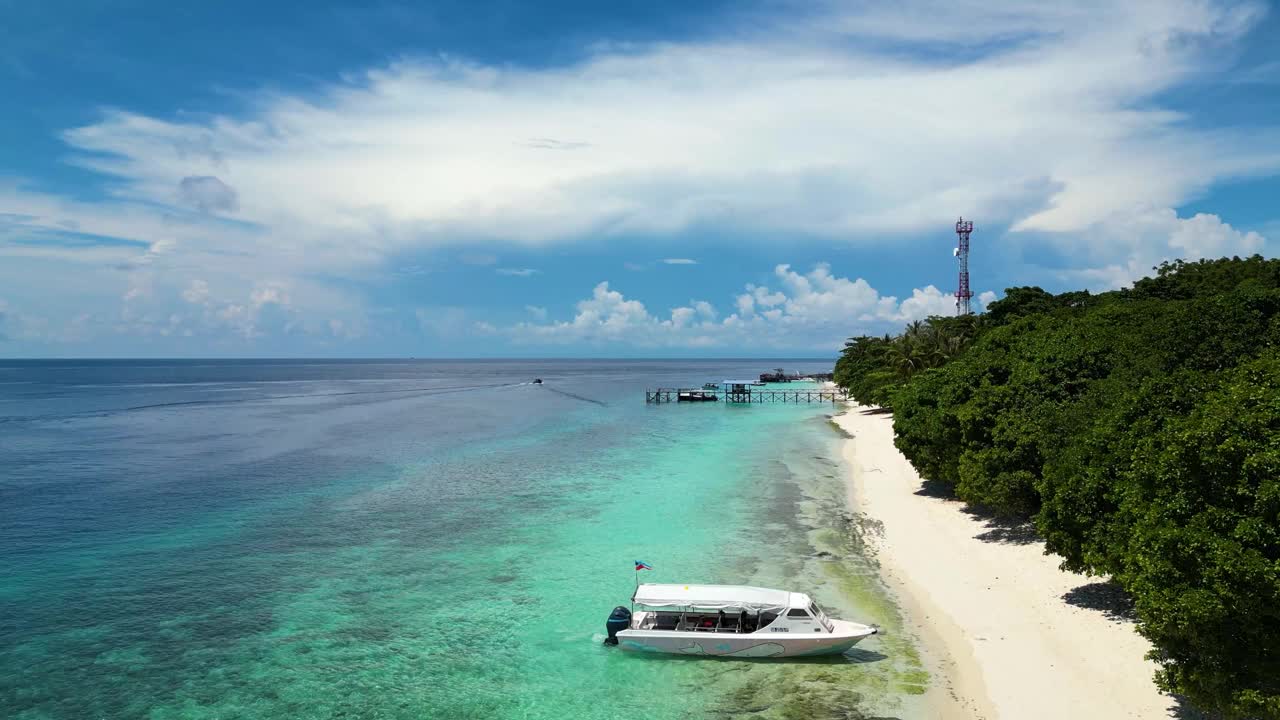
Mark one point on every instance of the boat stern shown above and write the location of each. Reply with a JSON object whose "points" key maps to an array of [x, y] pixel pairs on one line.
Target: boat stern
{"points": [[619, 620]]}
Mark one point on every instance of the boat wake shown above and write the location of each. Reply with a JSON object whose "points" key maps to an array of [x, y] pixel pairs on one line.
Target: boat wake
{"points": [[577, 397]]}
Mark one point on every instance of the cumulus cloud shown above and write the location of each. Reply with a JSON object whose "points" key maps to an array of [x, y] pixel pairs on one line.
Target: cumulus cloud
{"points": [[207, 193], [1126, 248], [815, 310], [538, 313], [264, 309]]}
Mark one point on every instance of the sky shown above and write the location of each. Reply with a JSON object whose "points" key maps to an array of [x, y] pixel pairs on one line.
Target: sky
{"points": [[624, 179]]}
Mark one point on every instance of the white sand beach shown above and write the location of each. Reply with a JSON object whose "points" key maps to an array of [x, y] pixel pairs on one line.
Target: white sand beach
{"points": [[988, 605]]}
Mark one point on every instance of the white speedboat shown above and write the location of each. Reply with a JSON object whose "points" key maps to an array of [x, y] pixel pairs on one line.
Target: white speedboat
{"points": [[729, 620]]}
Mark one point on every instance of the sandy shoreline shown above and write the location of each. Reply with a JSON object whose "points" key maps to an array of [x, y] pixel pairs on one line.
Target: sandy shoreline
{"points": [[988, 605]]}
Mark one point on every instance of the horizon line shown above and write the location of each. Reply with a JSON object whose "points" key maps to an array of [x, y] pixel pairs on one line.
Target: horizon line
{"points": [[414, 358]]}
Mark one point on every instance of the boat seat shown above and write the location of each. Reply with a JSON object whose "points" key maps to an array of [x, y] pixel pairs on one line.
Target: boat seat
{"points": [[666, 622], [728, 623]]}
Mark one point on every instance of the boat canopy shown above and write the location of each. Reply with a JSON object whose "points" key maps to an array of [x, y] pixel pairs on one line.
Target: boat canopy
{"points": [[712, 597]]}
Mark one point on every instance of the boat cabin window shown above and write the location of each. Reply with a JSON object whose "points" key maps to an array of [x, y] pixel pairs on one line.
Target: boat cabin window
{"points": [[717, 621], [821, 616]]}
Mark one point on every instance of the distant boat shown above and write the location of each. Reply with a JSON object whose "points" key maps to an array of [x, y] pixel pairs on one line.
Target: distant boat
{"points": [[710, 386], [537, 381], [730, 621]]}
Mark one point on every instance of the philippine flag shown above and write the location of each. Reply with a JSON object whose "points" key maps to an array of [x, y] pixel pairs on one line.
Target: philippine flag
{"points": [[642, 566]]}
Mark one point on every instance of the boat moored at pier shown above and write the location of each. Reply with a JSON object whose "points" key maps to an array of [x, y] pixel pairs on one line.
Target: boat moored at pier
{"points": [[730, 621]]}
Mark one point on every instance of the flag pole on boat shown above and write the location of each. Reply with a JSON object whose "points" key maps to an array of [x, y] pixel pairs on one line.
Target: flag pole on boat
{"points": [[639, 566]]}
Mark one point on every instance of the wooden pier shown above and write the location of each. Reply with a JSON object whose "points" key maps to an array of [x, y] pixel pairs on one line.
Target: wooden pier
{"points": [[749, 395]]}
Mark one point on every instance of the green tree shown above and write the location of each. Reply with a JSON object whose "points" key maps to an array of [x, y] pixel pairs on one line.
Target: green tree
{"points": [[1203, 501], [1139, 428], [1181, 280]]}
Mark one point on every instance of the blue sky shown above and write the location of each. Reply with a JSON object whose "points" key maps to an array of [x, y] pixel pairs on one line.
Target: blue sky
{"points": [[605, 179]]}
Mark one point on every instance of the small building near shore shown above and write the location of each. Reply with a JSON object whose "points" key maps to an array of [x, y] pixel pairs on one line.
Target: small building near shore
{"points": [[778, 375], [738, 390]]}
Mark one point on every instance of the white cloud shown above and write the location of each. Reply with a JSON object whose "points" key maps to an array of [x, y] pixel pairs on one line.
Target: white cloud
{"points": [[517, 272], [815, 310], [1206, 236], [207, 193], [1048, 118], [197, 293], [680, 261], [538, 313], [799, 128], [1127, 247], [170, 261], [925, 302]]}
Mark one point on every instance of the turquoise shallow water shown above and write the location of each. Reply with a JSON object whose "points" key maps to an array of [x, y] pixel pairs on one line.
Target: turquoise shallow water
{"points": [[411, 540]]}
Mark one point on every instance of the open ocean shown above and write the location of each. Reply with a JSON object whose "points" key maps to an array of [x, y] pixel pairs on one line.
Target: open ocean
{"points": [[411, 539]]}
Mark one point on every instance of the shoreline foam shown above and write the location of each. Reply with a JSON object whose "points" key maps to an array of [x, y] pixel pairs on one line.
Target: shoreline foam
{"points": [[990, 612]]}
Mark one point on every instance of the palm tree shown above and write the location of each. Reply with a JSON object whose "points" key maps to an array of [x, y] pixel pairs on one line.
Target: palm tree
{"points": [[903, 357]]}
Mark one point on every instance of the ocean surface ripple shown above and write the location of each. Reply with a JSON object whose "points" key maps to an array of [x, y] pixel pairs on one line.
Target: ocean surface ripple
{"points": [[407, 539]]}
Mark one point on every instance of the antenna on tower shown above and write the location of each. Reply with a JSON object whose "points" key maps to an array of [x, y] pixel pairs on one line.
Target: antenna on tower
{"points": [[963, 294]]}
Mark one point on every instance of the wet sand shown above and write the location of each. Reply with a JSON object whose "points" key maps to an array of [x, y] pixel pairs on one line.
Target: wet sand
{"points": [[1007, 633]]}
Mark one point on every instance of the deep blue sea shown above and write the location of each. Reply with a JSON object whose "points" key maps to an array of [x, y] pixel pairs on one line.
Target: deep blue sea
{"points": [[410, 539]]}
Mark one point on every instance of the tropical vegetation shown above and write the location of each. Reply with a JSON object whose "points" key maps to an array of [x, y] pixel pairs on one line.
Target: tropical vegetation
{"points": [[1140, 430]]}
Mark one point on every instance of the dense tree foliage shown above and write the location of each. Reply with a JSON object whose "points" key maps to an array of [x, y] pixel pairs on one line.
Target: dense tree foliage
{"points": [[871, 367], [1140, 429]]}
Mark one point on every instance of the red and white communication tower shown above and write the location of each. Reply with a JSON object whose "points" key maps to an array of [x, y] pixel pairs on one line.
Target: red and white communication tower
{"points": [[963, 293]]}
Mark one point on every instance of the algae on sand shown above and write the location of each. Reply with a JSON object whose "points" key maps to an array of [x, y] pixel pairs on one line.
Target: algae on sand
{"points": [[820, 545]]}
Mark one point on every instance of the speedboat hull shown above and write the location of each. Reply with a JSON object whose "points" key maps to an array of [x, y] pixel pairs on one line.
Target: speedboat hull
{"points": [[752, 645]]}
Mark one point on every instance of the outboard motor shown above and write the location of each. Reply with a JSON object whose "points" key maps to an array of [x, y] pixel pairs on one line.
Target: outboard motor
{"points": [[619, 619]]}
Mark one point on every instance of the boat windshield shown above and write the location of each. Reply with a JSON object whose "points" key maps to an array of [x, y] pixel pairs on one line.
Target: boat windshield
{"points": [[817, 613]]}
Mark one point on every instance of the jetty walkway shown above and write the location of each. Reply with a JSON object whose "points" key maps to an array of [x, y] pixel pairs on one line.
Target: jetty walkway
{"points": [[749, 395]]}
